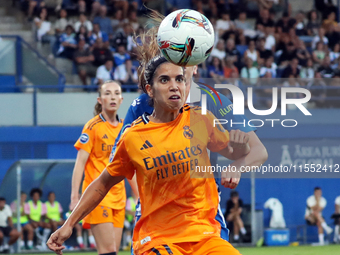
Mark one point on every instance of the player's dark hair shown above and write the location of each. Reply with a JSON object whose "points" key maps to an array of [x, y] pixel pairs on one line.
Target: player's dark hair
{"points": [[36, 190], [23, 192], [233, 194], [50, 193], [148, 53], [2, 199], [317, 188], [98, 107]]}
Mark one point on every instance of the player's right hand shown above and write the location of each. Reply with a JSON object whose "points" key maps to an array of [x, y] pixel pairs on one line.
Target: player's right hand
{"points": [[56, 240]]}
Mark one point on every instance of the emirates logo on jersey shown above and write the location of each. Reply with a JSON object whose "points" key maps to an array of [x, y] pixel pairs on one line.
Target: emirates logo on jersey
{"points": [[188, 132]]}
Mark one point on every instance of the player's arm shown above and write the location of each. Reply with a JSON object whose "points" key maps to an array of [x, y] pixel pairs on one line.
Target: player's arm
{"points": [[238, 145], [337, 208], [91, 198], [77, 176]]}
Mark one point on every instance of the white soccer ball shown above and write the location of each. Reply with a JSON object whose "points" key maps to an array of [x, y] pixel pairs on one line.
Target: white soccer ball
{"points": [[186, 37]]}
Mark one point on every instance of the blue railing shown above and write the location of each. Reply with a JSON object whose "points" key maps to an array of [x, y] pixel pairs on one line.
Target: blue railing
{"points": [[19, 61]]}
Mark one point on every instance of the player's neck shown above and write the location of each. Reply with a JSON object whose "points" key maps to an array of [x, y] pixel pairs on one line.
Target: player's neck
{"points": [[161, 116], [110, 117]]}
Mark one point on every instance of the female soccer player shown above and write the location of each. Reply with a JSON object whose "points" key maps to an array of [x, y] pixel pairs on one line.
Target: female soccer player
{"points": [[94, 147], [165, 149]]}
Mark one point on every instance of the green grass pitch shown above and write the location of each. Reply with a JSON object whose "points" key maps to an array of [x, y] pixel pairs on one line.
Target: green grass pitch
{"points": [[290, 250]]}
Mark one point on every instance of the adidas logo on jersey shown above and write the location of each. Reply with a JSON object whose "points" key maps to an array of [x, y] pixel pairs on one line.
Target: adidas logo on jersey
{"points": [[146, 145], [105, 137]]}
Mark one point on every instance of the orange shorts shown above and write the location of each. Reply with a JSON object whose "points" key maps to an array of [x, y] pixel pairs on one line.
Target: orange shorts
{"points": [[210, 246], [104, 214]]}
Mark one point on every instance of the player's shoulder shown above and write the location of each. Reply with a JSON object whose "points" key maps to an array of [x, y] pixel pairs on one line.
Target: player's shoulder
{"points": [[141, 100], [94, 123]]}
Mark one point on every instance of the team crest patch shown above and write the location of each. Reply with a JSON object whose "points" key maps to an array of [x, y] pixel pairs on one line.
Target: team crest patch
{"points": [[105, 213], [84, 138], [188, 132]]}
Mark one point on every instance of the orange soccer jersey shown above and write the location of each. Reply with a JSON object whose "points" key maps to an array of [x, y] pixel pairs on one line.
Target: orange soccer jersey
{"points": [[98, 138], [175, 207]]}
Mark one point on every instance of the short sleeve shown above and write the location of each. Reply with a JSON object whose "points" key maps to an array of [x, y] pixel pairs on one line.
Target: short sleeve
{"points": [[13, 206], [323, 202], [86, 140], [43, 209], [121, 165], [9, 211], [218, 136], [27, 208], [311, 201], [60, 208], [337, 201]]}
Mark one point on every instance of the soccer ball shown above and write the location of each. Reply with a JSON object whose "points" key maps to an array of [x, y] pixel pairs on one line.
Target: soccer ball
{"points": [[186, 37]]}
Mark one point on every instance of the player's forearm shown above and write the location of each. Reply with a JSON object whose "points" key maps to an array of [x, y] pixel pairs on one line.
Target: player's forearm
{"points": [[92, 196], [337, 208], [76, 179]]}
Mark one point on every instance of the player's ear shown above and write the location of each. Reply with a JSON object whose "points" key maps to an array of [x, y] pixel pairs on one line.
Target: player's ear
{"points": [[149, 90], [195, 70], [99, 100]]}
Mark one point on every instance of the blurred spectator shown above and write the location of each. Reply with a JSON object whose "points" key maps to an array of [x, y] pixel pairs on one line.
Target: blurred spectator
{"points": [[124, 5], [208, 7], [302, 53], [313, 24], [242, 24], [133, 20], [83, 59], [267, 4], [325, 6], [83, 34], [219, 50], [315, 205], [307, 72], [54, 5], [121, 55], [336, 217], [129, 220], [285, 23], [231, 51], [97, 33], [333, 36], [25, 225], [300, 26], [118, 21], [125, 37], [62, 22], [335, 53], [292, 69], [104, 22], [320, 38], [264, 53], [215, 70], [288, 54], [101, 53], [229, 68], [293, 37], [43, 27], [318, 88], [233, 213], [54, 210], [6, 227], [34, 6], [83, 22], [68, 43], [249, 73], [319, 53], [269, 67], [270, 39], [291, 82], [81, 5], [282, 43], [224, 26], [325, 69], [329, 22], [264, 21], [252, 53], [126, 74], [104, 72], [36, 215]]}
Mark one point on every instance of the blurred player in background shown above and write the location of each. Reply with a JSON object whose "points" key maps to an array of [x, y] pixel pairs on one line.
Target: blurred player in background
{"points": [[178, 211], [94, 147], [24, 221], [130, 211], [336, 217], [54, 212], [36, 215], [315, 205]]}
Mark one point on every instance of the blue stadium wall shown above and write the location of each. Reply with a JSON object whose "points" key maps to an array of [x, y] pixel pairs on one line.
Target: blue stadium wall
{"points": [[306, 143]]}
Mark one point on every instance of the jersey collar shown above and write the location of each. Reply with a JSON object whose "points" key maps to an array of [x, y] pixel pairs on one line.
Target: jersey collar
{"points": [[103, 119]]}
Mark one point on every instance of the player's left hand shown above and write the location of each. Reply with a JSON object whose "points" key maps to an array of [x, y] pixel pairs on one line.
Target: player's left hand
{"points": [[56, 240], [238, 140]]}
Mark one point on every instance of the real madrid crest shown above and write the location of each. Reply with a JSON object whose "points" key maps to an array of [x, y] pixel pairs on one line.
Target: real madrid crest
{"points": [[188, 132]]}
